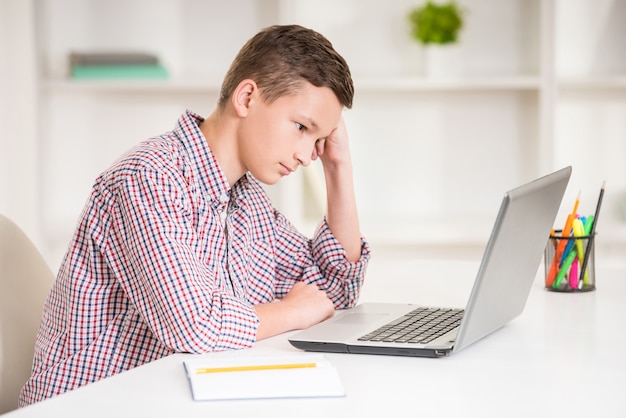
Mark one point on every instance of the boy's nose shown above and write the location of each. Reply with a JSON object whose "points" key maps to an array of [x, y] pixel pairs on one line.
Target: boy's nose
{"points": [[304, 157]]}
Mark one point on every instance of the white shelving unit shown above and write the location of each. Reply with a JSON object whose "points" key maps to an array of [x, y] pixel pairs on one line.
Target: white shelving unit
{"points": [[590, 108], [432, 156]]}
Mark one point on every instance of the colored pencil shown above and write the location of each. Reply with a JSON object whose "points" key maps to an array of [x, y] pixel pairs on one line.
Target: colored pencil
{"points": [[255, 367], [584, 279]]}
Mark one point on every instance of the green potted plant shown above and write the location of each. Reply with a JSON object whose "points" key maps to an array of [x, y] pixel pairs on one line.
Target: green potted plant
{"points": [[435, 25]]}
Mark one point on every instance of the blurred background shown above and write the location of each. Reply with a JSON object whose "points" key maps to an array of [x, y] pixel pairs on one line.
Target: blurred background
{"points": [[528, 87]]}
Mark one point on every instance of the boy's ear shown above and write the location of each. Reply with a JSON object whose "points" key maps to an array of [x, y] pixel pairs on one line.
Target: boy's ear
{"points": [[246, 92]]}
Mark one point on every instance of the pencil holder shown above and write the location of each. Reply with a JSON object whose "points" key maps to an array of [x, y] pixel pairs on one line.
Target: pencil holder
{"points": [[569, 263]]}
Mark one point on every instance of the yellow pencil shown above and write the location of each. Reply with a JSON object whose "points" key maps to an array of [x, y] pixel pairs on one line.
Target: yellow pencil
{"points": [[255, 367], [576, 203]]}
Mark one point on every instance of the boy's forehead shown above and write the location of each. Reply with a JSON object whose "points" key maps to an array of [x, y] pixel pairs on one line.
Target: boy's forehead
{"points": [[318, 106]]}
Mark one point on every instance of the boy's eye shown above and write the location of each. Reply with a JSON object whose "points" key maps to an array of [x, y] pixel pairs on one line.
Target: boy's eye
{"points": [[300, 126]]}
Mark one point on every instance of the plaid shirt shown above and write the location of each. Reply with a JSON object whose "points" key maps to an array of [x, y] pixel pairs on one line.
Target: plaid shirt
{"points": [[168, 258]]}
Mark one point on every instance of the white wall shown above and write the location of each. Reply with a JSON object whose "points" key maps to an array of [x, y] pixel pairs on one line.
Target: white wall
{"points": [[18, 116], [401, 123]]}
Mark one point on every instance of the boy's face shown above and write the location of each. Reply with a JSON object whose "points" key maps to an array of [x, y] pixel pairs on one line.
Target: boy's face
{"points": [[276, 138]]}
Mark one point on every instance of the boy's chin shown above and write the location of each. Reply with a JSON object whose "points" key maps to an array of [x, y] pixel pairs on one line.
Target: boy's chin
{"points": [[267, 180]]}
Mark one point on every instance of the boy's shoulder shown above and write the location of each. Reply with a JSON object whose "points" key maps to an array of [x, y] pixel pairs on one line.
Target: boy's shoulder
{"points": [[159, 154]]}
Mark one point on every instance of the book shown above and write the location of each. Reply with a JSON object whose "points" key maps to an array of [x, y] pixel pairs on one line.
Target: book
{"points": [[112, 58], [134, 71], [291, 376], [115, 65]]}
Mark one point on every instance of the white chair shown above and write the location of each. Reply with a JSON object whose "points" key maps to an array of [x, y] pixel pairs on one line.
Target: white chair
{"points": [[25, 280]]}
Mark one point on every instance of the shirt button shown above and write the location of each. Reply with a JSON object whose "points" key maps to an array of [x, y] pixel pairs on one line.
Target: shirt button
{"points": [[223, 215], [223, 198]]}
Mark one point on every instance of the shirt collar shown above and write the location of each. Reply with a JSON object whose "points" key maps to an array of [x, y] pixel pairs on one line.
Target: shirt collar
{"points": [[212, 179]]}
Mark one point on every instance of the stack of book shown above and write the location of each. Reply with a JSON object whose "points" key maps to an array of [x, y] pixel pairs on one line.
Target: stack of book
{"points": [[119, 65]]}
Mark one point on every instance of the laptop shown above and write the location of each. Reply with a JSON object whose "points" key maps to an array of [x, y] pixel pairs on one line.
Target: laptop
{"points": [[505, 276]]}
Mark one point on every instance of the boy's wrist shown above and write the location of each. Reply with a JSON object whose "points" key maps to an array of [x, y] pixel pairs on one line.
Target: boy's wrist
{"points": [[338, 166]]}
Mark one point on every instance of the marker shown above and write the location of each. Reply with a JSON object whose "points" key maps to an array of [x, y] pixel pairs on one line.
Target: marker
{"points": [[564, 269], [579, 232], [562, 255], [573, 274], [574, 217], [255, 367], [568, 248], [556, 261]]}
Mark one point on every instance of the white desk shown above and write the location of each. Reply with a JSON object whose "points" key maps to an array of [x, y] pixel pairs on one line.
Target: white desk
{"points": [[563, 357]]}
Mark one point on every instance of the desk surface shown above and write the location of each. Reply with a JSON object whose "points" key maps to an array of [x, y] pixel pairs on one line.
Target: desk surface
{"points": [[564, 356]]}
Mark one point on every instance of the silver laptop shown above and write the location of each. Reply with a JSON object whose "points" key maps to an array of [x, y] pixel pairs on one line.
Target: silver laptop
{"points": [[507, 271]]}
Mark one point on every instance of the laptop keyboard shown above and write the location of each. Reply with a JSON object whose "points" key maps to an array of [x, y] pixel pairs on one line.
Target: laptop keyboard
{"points": [[422, 325]]}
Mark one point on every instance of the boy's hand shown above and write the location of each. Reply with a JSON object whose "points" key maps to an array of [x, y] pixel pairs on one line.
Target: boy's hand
{"points": [[305, 305], [309, 305], [334, 149]]}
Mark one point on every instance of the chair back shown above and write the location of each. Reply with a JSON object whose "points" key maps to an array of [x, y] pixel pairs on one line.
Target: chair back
{"points": [[25, 281]]}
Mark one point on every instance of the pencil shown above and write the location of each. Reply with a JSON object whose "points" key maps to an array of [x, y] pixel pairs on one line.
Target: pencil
{"points": [[590, 240], [576, 203], [255, 367], [559, 245]]}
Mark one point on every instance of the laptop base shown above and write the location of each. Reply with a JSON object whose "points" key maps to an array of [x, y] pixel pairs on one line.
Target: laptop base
{"points": [[356, 349]]}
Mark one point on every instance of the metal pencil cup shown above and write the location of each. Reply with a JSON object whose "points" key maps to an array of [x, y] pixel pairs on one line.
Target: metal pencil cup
{"points": [[564, 260]]}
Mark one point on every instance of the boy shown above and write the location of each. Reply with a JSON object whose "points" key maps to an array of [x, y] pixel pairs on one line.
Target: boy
{"points": [[178, 248]]}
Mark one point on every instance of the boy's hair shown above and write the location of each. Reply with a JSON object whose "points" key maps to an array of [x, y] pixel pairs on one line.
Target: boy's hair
{"points": [[280, 58]]}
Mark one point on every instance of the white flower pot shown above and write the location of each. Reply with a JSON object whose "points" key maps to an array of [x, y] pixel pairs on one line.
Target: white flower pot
{"points": [[443, 61]]}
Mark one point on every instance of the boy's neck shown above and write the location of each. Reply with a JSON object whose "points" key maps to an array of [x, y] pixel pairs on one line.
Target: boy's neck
{"points": [[220, 131]]}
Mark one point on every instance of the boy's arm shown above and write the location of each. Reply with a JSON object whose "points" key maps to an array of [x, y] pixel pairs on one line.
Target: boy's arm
{"points": [[176, 293], [305, 305], [341, 215]]}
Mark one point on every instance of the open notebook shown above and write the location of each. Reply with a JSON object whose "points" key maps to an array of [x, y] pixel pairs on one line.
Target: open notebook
{"points": [[502, 284], [240, 377]]}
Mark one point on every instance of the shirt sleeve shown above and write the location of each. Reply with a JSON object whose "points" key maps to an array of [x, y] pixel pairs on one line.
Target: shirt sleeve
{"points": [[321, 260], [159, 263]]}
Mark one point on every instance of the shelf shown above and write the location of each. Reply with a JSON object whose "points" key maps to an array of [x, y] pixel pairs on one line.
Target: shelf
{"points": [[417, 84], [596, 82], [362, 85], [172, 85]]}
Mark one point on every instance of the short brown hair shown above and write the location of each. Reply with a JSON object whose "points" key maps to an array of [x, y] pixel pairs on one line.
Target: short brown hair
{"points": [[279, 58]]}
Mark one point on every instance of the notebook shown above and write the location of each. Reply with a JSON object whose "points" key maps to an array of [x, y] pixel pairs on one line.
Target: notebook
{"points": [[275, 377], [501, 287]]}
